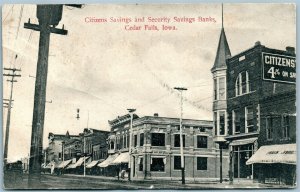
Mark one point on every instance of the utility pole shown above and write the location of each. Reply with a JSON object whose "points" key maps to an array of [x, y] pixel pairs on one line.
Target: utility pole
{"points": [[130, 138], [49, 17], [9, 106], [180, 89], [83, 154]]}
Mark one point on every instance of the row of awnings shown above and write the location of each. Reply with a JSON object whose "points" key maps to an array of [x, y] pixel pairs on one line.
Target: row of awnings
{"points": [[111, 160]]}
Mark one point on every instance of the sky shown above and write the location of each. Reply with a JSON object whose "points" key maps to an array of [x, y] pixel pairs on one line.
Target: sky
{"points": [[103, 69]]}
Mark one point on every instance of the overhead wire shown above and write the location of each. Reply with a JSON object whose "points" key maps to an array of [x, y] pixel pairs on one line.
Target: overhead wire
{"points": [[12, 7]]}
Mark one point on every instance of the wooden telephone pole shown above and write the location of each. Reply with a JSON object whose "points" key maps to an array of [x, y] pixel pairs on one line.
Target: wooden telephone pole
{"points": [[48, 16], [180, 89], [12, 81]]}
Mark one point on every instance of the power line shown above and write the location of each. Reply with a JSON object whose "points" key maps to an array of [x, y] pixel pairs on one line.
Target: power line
{"points": [[8, 13], [20, 18]]}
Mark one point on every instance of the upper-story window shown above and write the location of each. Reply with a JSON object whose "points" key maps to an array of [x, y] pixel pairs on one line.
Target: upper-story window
{"points": [[177, 140], [285, 126], [242, 85], [201, 141], [141, 139], [249, 119], [222, 92], [220, 88], [269, 128], [236, 122], [157, 139], [215, 89], [135, 141]]}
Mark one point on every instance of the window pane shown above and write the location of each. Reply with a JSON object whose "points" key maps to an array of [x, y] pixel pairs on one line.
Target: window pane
{"points": [[177, 162], [142, 139], [135, 141], [215, 89], [201, 141], [222, 88], [157, 164], [237, 85], [215, 123], [269, 128], [141, 164], [201, 163], [222, 123], [157, 139], [237, 122], [177, 140]]}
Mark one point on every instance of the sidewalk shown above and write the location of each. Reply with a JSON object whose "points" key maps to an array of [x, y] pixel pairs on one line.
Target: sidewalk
{"points": [[191, 184]]}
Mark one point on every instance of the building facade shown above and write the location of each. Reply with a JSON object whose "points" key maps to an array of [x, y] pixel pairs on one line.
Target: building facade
{"points": [[55, 146], [155, 149], [260, 112]]}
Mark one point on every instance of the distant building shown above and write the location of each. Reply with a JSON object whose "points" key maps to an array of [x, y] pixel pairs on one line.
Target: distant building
{"points": [[92, 137], [54, 150], [73, 148]]}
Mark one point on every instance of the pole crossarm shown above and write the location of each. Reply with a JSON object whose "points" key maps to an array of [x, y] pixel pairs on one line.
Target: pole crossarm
{"points": [[12, 75], [11, 69], [36, 27]]}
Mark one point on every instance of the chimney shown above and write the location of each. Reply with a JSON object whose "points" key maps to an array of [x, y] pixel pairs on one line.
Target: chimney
{"points": [[290, 49], [257, 43], [155, 115]]}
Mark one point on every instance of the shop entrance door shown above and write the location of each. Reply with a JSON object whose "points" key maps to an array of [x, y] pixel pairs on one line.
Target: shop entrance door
{"points": [[241, 154]]}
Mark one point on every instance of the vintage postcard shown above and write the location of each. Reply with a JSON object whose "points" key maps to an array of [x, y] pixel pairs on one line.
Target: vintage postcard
{"points": [[149, 96]]}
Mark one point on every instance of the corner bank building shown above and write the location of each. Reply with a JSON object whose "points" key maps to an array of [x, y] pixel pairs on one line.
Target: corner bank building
{"points": [[255, 111]]}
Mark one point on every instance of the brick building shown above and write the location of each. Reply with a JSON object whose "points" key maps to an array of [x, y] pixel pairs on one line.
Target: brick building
{"points": [[259, 111]]}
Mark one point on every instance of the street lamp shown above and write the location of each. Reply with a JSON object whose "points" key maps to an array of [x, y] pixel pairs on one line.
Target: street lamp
{"points": [[130, 137], [180, 89]]}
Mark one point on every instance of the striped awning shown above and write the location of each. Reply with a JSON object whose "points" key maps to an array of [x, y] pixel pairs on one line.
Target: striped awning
{"points": [[268, 154], [64, 164], [122, 158], [243, 141], [108, 161], [78, 163], [92, 164]]}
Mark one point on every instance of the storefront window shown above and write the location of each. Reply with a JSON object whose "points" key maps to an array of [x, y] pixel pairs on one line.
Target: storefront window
{"points": [[157, 164], [177, 162], [141, 164], [201, 163]]}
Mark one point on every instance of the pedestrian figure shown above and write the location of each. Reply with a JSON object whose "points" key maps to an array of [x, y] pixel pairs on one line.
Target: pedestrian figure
{"points": [[123, 173]]}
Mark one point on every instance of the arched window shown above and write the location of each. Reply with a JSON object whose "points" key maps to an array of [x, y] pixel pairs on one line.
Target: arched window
{"points": [[242, 85]]}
